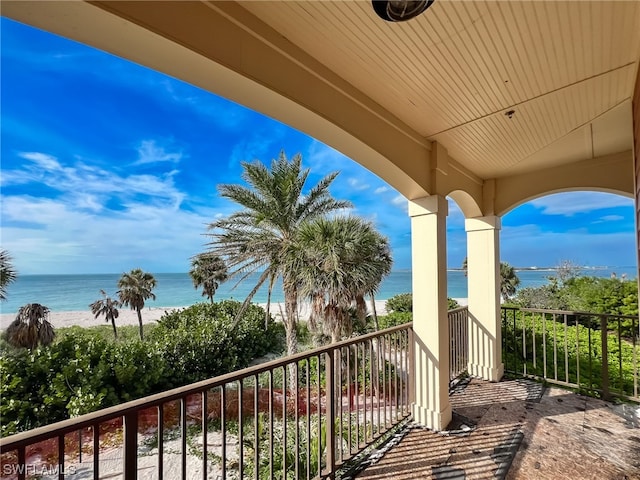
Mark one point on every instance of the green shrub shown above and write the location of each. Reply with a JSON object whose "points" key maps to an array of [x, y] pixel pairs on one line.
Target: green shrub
{"points": [[570, 352], [394, 318], [85, 370], [202, 341], [38, 386], [403, 303], [400, 303]]}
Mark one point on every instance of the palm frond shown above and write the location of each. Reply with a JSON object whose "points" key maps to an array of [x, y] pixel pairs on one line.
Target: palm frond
{"points": [[8, 274], [31, 327]]}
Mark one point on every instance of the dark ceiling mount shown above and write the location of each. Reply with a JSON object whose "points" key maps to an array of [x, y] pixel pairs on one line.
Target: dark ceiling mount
{"points": [[400, 10]]}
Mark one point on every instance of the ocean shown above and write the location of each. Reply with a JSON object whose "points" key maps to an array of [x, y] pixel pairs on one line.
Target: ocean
{"points": [[75, 292]]}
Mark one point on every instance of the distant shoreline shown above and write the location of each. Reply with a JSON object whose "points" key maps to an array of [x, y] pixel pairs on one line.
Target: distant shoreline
{"points": [[84, 318], [65, 293], [399, 270]]}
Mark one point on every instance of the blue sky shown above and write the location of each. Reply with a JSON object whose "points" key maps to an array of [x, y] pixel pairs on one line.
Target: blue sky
{"points": [[108, 166]]}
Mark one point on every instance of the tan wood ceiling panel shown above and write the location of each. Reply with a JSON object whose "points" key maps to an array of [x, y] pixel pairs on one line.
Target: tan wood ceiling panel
{"points": [[494, 144], [451, 73]]}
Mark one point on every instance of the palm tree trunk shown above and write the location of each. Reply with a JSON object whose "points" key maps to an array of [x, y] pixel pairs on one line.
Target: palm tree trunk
{"points": [[115, 331], [268, 309], [290, 324], [140, 322], [290, 320], [247, 301], [375, 313]]}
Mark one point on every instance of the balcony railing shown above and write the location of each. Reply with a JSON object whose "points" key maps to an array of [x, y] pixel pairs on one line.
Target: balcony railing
{"points": [[316, 413], [304, 416], [459, 338], [595, 353]]}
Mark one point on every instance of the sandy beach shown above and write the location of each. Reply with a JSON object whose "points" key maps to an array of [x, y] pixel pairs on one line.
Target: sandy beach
{"points": [[85, 318]]}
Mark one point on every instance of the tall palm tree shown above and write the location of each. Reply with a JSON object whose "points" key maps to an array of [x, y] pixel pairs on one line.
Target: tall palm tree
{"points": [[136, 287], [208, 272], [108, 307], [340, 261], [31, 327], [258, 237], [509, 281], [7, 273]]}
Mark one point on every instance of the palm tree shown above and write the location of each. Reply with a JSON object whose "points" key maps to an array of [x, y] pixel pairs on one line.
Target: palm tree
{"points": [[108, 307], [136, 287], [258, 237], [339, 261], [31, 327], [7, 273], [208, 272], [509, 281]]}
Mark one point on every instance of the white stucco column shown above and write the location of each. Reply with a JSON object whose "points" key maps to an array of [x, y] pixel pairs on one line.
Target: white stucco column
{"points": [[431, 407], [483, 276]]}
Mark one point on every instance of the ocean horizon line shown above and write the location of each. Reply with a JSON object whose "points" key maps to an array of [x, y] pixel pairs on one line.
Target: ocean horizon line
{"points": [[398, 270], [74, 292]]}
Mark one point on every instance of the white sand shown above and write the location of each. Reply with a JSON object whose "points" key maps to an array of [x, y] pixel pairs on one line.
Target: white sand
{"points": [[129, 317]]}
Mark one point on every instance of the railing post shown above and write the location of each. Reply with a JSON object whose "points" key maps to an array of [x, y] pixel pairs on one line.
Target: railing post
{"points": [[330, 412], [411, 381], [131, 445], [605, 357]]}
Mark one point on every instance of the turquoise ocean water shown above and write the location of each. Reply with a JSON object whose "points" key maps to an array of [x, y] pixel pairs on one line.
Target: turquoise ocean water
{"points": [[76, 292]]}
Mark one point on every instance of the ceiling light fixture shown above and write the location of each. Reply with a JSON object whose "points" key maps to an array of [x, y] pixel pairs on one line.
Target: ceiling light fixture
{"points": [[400, 10]]}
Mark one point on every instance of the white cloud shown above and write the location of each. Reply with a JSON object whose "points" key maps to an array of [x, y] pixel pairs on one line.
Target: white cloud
{"points": [[150, 152], [42, 160], [380, 190], [88, 202], [323, 158], [528, 245], [399, 200], [570, 203], [357, 184], [100, 221], [610, 218], [90, 186]]}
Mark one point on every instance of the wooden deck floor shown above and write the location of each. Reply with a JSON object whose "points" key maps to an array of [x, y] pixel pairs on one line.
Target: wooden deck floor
{"points": [[518, 430]]}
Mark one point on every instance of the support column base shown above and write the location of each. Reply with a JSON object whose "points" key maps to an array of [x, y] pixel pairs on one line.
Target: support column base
{"points": [[492, 374], [428, 418]]}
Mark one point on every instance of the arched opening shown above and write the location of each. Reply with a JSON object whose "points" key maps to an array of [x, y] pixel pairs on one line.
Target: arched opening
{"points": [[592, 229], [108, 171]]}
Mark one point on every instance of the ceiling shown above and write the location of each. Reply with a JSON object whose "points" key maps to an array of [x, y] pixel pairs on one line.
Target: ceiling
{"points": [[567, 69]]}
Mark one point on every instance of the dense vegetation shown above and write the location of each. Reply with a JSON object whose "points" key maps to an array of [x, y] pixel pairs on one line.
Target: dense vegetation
{"points": [[583, 293], [614, 296], [543, 346], [403, 303], [83, 371]]}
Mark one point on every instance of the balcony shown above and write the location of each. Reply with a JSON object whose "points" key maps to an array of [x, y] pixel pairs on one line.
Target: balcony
{"points": [[334, 411]]}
